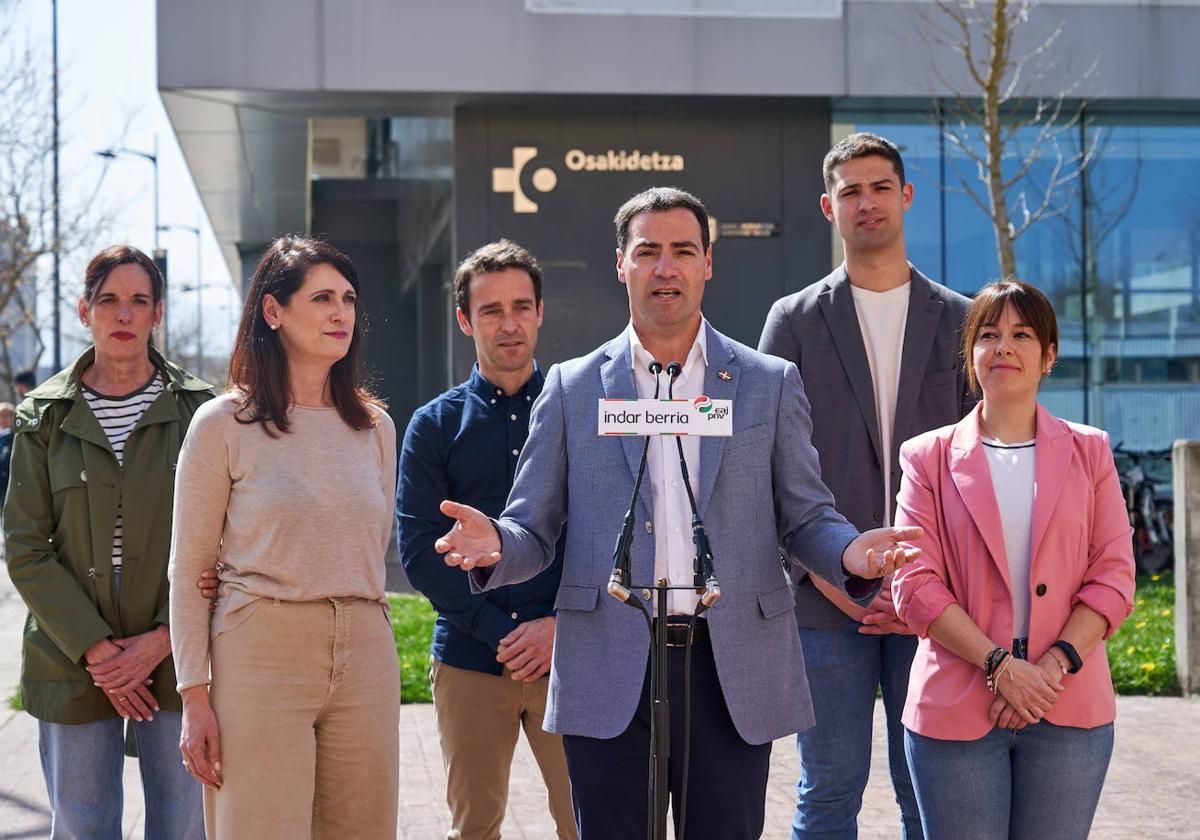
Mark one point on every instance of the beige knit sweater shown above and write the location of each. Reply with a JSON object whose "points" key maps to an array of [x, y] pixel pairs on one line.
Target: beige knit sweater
{"points": [[301, 517]]}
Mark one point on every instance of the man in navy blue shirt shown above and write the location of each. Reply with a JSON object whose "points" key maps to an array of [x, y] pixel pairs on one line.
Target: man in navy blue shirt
{"points": [[491, 651]]}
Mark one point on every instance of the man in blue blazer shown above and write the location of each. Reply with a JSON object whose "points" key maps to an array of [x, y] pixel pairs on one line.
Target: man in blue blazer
{"points": [[756, 491]]}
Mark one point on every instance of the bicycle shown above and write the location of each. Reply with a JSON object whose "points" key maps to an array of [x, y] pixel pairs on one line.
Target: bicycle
{"points": [[1151, 515]]}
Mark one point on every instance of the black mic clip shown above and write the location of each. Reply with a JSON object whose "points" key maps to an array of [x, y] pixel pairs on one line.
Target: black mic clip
{"points": [[704, 578], [618, 581]]}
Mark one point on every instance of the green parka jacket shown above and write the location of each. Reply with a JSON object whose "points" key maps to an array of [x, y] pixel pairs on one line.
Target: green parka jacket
{"points": [[64, 489]]}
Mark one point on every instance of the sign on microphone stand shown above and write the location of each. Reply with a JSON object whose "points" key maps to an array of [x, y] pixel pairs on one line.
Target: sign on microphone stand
{"points": [[700, 416]]}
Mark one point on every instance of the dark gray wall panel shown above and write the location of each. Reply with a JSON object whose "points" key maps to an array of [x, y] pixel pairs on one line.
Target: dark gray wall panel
{"points": [[756, 161]]}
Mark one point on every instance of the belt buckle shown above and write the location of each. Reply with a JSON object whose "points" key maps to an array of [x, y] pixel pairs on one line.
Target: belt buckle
{"points": [[677, 633]]}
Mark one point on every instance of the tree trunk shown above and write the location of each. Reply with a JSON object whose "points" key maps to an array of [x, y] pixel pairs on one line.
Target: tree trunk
{"points": [[999, 42]]}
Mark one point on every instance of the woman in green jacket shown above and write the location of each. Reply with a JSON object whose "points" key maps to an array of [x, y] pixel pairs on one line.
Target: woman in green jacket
{"points": [[87, 524]]}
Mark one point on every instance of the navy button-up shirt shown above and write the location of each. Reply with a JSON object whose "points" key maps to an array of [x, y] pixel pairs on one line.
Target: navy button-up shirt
{"points": [[464, 446]]}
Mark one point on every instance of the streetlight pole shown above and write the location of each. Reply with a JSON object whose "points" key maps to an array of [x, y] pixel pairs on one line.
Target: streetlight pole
{"points": [[195, 231], [112, 154], [56, 282]]}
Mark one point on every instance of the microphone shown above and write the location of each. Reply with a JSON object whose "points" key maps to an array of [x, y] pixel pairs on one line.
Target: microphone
{"points": [[703, 576], [618, 581]]}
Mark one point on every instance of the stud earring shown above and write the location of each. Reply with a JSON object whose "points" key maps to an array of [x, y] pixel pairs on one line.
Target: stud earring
{"points": [[273, 327]]}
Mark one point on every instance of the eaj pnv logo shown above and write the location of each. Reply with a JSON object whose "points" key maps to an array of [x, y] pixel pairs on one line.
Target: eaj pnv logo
{"points": [[703, 404], [507, 179]]}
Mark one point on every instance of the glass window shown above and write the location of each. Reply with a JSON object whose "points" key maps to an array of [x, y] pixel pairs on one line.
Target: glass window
{"points": [[1144, 227], [1047, 252], [412, 147]]}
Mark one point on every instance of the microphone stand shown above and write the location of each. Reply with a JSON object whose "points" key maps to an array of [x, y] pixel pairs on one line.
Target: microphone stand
{"points": [[658, 794], [660, 719], [704, 580]]}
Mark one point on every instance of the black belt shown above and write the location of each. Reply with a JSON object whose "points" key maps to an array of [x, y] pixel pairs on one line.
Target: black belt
{"points": [[677, 631]]}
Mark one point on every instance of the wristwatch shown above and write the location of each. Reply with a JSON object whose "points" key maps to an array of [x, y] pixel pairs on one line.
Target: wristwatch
{"points": [[1072, 656]]}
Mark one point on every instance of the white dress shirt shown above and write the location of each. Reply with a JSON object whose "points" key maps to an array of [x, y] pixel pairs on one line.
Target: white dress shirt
{"points": [[674, 551]]}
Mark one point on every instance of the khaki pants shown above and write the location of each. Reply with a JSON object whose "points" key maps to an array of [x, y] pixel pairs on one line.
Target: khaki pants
{"points": [[307, 699], [479, 719]]}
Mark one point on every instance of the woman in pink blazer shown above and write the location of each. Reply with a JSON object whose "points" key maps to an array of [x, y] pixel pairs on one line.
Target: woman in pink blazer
{"points": [[1026, 567]]}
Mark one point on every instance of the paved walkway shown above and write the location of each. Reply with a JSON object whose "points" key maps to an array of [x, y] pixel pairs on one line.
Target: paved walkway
{"points": [[1150, 793]]}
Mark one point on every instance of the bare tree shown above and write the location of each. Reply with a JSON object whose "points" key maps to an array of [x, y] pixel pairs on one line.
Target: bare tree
{"points": [[998, 120], [27, 201]]}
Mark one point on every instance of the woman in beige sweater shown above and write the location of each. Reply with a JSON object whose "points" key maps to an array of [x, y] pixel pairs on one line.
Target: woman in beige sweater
{"points": [[290, 687]]}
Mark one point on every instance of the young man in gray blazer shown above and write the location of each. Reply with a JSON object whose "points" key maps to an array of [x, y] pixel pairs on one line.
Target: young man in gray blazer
{"points": [[877, 345], [756, 491]]}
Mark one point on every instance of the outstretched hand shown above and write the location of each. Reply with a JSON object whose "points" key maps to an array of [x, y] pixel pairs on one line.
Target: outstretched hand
{"points": [[877, 553], [473, 541]]}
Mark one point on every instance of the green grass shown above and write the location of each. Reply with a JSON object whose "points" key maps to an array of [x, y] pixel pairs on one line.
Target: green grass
{"points": [[412, 625], [15, 703], [1141, 654]]}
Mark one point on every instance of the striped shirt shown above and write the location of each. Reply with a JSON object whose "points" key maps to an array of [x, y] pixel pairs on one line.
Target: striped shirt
{"points": [[117, 417]]}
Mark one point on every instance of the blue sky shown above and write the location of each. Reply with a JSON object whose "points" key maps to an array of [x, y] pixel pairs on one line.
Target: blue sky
{"points": [[109, 95]]}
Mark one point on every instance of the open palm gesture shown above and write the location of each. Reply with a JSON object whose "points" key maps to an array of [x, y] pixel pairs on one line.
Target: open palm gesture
{"points": [[473, 541], [877, 553]]}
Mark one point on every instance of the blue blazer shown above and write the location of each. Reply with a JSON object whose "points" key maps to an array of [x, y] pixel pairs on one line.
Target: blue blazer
{"points": [[760, 490]]}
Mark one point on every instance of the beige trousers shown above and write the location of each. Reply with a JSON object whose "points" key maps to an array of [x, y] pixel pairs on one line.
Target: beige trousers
{"points": [[479, 718], [307, 699]]}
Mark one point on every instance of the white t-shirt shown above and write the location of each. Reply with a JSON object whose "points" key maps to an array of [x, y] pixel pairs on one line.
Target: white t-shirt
{"points": [[881, 318], [1012, 469]]}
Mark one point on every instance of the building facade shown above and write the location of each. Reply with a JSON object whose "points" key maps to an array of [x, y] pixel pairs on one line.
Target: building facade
{"points": [[410, 132]]}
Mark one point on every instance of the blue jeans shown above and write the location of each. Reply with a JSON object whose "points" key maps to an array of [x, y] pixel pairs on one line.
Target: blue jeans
{"points": [[1041, 781], [844, 668], [82, 764]]}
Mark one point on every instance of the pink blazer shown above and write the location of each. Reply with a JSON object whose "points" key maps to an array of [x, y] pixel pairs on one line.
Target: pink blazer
{"points": [[1081, 552]]}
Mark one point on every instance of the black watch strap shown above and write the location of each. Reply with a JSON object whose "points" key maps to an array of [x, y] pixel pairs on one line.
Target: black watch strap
{"points": [[1072, 655]]}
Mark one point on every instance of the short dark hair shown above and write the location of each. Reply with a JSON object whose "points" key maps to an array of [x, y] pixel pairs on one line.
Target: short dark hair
{"points": [[26, 378], [660, 200], [102, 265], [860, 145], [1031, 304], [259, 364], [495, 256]]}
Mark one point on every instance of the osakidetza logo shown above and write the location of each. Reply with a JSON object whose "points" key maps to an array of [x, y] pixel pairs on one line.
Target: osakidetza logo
{"points": [[507, 179]]}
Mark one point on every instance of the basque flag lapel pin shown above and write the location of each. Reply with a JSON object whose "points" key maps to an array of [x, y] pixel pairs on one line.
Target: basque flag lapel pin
{"points": [[724, 375]]}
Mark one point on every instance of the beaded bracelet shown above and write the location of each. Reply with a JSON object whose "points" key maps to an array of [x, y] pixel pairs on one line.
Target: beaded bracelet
{"points": [[993, 662]]}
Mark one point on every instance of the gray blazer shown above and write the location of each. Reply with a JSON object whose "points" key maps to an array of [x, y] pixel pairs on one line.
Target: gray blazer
{"points": [[758, 490], [817, 329]]}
